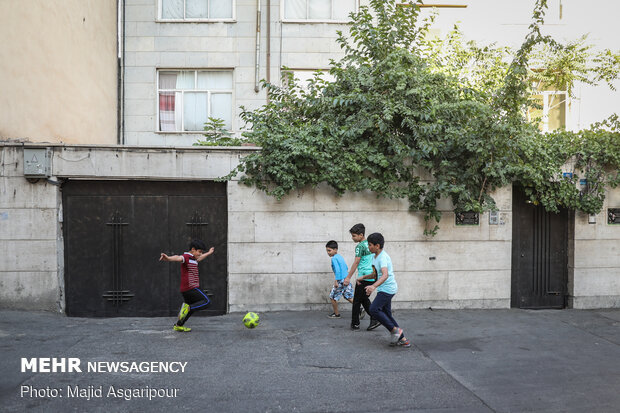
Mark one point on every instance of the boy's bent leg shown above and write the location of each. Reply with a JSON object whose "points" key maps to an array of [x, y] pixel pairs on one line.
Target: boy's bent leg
{"points": [[365, 301], [335, 307], [388, 313], [358, 296], [377, 310], [183, 311], [197, 300]]}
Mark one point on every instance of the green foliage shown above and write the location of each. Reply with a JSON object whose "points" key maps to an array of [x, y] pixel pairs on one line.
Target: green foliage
{"points": [[217, 135], [402, 106]]}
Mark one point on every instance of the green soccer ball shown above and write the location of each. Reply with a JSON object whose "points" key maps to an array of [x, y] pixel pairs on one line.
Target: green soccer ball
{"points": [[250, 320]]}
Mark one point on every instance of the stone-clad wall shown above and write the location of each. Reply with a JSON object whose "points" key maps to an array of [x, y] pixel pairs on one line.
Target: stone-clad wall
{"points": [[29, 238], [276, 249], [596, 272]]}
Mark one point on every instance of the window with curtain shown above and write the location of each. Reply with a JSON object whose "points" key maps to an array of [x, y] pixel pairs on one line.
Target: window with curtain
{"points": [[319, 10], [187, 98], [196, 9]]}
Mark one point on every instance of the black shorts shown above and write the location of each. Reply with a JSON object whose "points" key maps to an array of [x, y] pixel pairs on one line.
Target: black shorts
{"points": [[195, 298]]}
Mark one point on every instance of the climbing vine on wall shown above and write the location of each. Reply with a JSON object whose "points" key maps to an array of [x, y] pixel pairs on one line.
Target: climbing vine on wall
{"points": [[401, 103]]}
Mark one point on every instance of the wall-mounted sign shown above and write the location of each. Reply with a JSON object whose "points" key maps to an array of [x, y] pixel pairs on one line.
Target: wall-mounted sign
{"points": [[467, 218], [613, 216]]}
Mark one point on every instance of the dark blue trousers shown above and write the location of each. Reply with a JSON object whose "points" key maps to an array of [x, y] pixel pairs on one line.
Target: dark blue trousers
{"points": [[381, 310]]}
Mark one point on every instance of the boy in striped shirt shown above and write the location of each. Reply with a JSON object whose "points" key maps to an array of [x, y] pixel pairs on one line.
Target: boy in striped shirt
{"points": [[194, 298]]}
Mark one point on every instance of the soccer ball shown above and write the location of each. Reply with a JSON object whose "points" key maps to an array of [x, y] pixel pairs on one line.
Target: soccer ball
{"points": [[250, 320]]}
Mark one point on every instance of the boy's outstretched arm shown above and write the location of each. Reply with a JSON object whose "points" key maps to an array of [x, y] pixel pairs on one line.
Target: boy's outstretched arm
{"points": [[205, 255], [174, 258], [356, 262]]}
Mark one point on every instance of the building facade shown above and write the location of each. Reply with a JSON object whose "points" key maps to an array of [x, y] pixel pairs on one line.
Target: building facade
{"points": [[102, 202]]}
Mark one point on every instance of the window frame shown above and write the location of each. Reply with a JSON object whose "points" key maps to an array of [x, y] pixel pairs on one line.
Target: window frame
{"points": [[300, 69], [311, 21], [161, 19], [158, 90], [546, 95]]}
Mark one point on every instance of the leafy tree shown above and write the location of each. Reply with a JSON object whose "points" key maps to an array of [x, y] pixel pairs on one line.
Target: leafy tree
{"points": [[216, 134], [402, 106]]}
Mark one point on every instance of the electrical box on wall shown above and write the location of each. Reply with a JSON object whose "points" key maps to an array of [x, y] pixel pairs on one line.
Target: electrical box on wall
{"points": [[37, 162]]}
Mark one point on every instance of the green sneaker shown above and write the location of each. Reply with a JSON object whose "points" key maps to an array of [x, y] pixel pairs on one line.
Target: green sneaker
{"points": [[181, 328], [184, 310]]}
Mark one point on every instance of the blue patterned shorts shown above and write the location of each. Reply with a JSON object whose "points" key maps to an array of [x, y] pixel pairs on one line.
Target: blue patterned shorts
{"points": [[341, 290]]}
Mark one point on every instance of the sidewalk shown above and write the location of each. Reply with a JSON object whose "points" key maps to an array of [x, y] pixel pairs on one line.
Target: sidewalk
{"points": [[462, 361]]}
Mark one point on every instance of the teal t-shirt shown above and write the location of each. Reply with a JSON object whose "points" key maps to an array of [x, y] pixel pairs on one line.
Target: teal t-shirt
{"points": [[339, 266], [365, 265], [383, 260]]}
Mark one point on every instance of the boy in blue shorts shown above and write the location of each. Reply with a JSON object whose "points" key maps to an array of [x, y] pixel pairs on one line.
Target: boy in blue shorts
{"points": [[340, 272], [381, 307]]}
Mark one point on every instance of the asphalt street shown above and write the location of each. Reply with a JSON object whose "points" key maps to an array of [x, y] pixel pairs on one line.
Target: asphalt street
{"points": [[462, 361]]}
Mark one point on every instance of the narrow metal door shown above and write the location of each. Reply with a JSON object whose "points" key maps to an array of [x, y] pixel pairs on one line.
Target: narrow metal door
{"points": [[539, 255]]}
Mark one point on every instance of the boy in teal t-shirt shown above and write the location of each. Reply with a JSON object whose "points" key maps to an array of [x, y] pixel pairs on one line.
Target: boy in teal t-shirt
{"points": [[386, 287], [363, 264]]}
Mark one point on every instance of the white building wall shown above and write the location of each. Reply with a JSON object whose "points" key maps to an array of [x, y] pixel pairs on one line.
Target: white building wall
{"points": [[152, 44]]}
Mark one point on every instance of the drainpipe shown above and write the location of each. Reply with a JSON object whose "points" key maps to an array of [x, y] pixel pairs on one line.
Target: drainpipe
{"points": [[257, 67], [120, 89], [268, 45]]}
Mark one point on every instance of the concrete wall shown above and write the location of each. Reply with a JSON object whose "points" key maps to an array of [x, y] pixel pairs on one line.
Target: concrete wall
{"points": [[29, 237], [59, 71], [277, 257], [596, 279]]}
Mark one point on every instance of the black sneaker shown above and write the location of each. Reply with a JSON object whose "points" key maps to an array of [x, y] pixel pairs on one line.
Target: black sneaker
{"points": [[334, 315], [355, 326], [373, 324]]}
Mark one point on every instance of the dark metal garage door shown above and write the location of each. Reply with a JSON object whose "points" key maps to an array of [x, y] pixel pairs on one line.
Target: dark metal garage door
{"points": [[114, 232]]}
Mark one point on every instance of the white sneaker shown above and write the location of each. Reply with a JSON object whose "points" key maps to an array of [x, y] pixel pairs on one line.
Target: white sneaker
{"points": [[396, 335]]}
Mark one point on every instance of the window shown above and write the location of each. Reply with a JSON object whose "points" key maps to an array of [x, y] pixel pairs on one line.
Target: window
{"points": [[318, 10], [196, 9], [305, 75], [187, 98], [551, 114]]}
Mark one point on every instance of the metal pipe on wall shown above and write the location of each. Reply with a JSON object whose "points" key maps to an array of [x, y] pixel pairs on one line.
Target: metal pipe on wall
{"points": [[257, 66], [120, 89], [268, 45]]}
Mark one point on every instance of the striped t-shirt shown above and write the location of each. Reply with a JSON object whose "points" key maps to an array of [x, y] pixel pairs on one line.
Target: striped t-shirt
{"points": [[189, 272]]}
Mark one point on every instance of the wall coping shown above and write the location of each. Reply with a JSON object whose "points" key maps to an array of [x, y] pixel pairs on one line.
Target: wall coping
{"points": [[131, 148]]}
